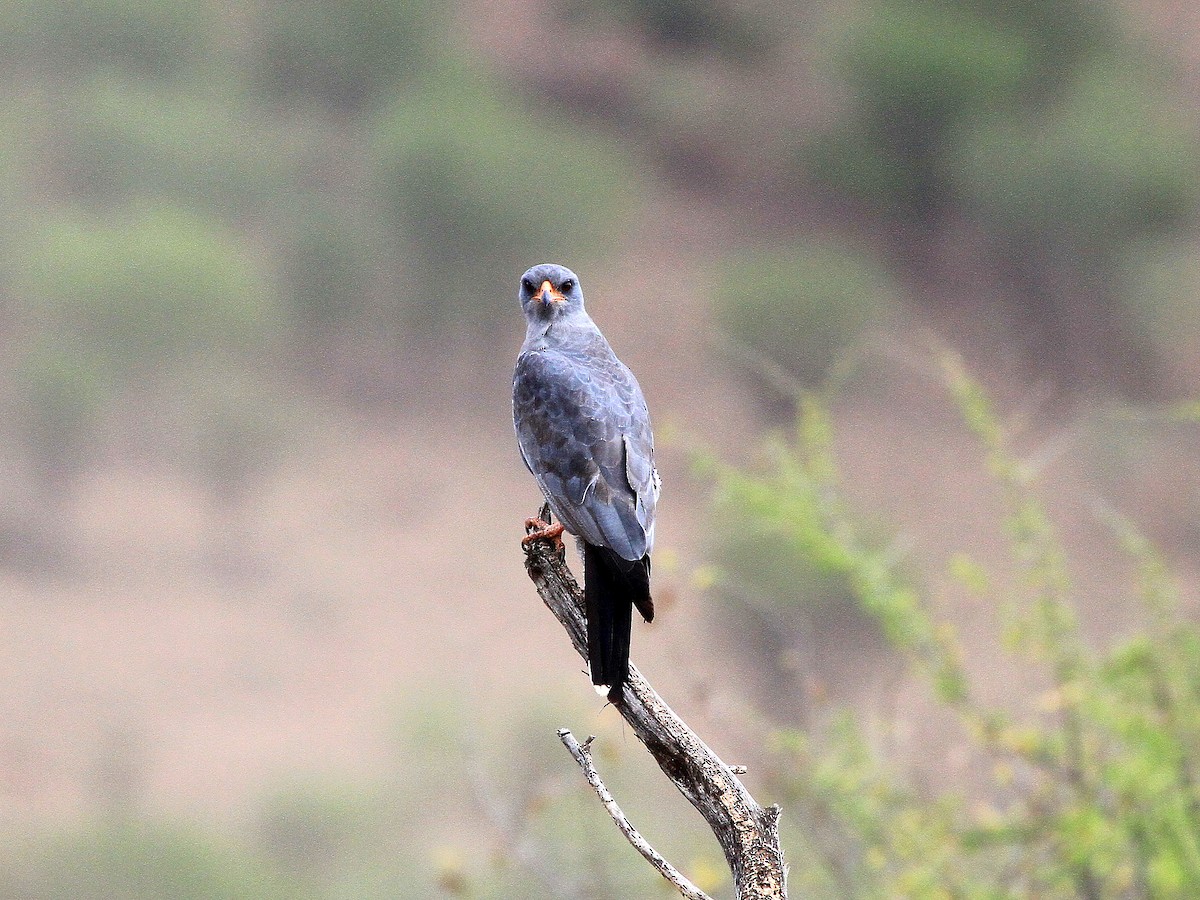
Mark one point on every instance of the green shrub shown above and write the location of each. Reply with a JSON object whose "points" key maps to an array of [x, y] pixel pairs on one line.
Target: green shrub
{"points": [[316, 828], [691, 26], [1095, 790], [792, 590], [1109, 162], [162, 286], [1159, 286], [1060, 34], [164, 305], [928, 64], [346, 54], [1032, 120], [797, 502], [802, 308], [59, 390], [484, 187], [119, 140], [331, 253], [139, 37], [139, 862], [534, 828], [912, 72], [768, 566]]}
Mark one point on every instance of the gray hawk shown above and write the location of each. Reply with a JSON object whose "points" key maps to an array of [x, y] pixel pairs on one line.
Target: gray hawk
{"points": [[584, 433]]}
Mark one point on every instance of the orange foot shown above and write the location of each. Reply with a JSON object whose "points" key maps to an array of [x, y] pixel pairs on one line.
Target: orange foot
{"points": [[539, 530]]}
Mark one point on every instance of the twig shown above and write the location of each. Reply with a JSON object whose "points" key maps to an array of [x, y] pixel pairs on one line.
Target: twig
{"points": [[583, 756], [748, 834]]}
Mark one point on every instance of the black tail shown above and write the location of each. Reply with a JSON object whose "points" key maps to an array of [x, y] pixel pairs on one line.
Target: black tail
{"points": [[611, 588]]}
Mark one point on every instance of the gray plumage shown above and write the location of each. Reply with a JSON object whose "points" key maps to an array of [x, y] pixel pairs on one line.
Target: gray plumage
{"points": [[584, 430]]}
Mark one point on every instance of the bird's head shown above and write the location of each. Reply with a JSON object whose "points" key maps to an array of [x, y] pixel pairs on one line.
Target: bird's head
{"points": [[549, 291]]}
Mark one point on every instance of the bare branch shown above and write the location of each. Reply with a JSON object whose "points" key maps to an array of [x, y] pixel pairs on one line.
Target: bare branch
{"points": [[748, 834], [583, 756]]}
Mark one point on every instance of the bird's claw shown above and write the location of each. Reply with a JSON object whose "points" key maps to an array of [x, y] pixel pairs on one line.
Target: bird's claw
{"points": [[537, 529]]}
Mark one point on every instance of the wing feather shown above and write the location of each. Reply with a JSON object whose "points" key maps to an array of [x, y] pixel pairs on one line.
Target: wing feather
{"points": [[584, 432]]}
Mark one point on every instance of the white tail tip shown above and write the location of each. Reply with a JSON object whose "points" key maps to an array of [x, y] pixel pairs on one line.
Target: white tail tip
{"points": [[601, 689]]}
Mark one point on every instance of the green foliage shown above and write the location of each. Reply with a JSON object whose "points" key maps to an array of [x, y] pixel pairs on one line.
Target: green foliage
{"points": [[692, 26], [139, 37], [1052, 630], [337, 839], [314, 828], [118, 140], [346, 54], [918, 75], [482, 809], [930, 63], [59, 391], [1108, 162], [1159, 284], [794, 586], [913, 71], [533, 828], [767, 566], [194, 192], [1035, 123], [1060, 34], [139, 862], [115, 309], [331, 254], [797, 501], [865, 833], [478, 181], [802, 308], [1095, 789], [163, 285]]}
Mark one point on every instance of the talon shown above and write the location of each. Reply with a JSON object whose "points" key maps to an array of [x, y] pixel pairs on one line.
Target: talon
{"points": [[540, 530]]}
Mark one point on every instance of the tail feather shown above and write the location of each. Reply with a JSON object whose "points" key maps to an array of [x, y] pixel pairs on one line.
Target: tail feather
{"points": [[640, 578], [612, 586]]}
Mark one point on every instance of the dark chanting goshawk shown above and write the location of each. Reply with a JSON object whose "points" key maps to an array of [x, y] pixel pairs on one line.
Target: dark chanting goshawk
{"points": [[584, 433]]}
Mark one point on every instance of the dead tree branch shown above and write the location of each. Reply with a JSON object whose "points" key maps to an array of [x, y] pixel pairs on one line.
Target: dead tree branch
{"points": [[747, 833], [583, 756]]}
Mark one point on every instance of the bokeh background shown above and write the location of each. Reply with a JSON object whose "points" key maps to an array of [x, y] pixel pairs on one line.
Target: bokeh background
{"points": [[264, 629]]}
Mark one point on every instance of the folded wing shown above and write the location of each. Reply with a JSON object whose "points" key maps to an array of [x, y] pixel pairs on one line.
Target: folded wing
{"points": [[584, 433]]}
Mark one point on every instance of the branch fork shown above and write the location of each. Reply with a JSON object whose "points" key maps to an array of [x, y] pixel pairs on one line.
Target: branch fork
{"points": [[583, 756], [748, 833]]}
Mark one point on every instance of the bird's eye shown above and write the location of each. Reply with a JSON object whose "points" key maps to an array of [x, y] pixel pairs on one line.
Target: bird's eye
{"points": [[527, 284], [568, 286]]}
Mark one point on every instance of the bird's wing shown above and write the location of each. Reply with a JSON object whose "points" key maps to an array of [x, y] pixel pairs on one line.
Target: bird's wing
{"points": [[585, 434]]}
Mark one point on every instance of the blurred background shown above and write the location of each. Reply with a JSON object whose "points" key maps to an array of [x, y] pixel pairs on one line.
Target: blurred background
{"points": [[264, 627]]}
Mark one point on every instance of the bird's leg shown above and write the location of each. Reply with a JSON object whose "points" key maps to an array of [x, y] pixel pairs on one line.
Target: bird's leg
{"points": [[540, 528]]}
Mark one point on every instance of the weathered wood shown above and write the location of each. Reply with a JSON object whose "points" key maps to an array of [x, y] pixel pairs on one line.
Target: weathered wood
{"points": [[583, 755], [747, 833]]}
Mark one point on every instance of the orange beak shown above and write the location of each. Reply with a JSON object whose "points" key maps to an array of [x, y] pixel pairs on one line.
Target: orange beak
{"points": [[547, 294]]}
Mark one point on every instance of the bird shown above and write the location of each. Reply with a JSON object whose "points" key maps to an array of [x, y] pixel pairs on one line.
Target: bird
{"points": [[583, 429]]}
